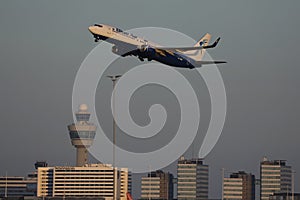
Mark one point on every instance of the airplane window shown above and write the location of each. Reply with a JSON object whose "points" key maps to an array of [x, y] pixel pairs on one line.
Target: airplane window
{"points": [[98, 25], [118, 30]]}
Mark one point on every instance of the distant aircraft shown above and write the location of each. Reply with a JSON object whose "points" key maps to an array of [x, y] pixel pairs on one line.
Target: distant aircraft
{"points": [[126, 44]]}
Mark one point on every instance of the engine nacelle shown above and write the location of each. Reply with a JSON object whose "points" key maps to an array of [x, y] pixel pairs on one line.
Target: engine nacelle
{"points": [[119, 50], [143, 48]]}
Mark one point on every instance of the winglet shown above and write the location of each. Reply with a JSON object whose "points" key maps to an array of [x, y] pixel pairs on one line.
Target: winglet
{"points": [[213, 45], [216, 42]]}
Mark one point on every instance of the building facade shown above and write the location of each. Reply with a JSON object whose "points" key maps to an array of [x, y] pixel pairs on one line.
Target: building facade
{"points": [[125, 182], [94, 180], [285, 196], [16, 186], [239, 186], [192, 180], [157, 185], [275, 177]]}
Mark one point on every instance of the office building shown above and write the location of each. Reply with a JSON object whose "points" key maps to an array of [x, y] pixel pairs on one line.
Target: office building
{"points": [[157, 185], [82, 134], [285, 196], [125, 182], [94, 180], [239, 186], [16, 186], [275, 177], [192, 180]]}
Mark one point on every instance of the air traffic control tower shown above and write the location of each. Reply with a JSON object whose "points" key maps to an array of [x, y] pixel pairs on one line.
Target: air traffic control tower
{"points": [[82, 134]]}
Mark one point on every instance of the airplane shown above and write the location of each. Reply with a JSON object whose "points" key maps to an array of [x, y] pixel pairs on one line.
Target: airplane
{"points": [[126, 44]]}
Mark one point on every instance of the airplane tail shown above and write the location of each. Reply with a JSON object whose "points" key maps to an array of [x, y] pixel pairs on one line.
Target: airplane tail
{"points": [[197, 55]]}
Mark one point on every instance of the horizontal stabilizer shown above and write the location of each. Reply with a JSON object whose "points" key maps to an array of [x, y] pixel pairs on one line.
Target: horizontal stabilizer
{"points": [[203, 62]]}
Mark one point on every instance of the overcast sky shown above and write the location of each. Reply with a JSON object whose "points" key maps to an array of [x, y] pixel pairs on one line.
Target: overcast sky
{"points": [[43, 43]]}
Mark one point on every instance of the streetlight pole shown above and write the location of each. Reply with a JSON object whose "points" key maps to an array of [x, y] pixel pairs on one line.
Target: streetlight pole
{"points": [[293, 185], [114, 79]]}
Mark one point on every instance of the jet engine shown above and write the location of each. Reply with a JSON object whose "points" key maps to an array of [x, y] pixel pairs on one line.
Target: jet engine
{"points": [[119, 50], [143, 48]]}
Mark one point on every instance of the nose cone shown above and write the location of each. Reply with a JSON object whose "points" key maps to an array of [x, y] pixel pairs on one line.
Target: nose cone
{"points": [[91, 29]]}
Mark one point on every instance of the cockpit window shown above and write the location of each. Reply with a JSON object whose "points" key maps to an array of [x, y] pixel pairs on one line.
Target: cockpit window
{"points": [[98, 25]]}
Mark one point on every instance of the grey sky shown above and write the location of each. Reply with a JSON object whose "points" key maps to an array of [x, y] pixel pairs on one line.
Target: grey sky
{"points": [[43, 43]]}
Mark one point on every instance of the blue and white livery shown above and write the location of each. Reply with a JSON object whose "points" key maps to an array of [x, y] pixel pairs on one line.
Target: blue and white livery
{"points": [[126, 44]]}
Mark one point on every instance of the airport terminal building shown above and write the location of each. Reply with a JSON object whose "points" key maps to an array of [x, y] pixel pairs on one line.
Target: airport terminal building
{"points": [[94, 180]]}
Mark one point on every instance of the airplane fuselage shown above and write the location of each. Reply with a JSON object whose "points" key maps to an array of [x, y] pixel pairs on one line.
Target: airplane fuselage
{"points": [[120, 39]]}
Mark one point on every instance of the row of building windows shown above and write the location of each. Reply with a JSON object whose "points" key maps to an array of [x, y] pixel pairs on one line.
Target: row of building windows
{"points": [[78, 193], [271, 177], [232, 189], [187, 184], [90, 185], [232, 180], [79, 176], [84, 180], [272, 173], [83, 189], [186, 189], [233, 194], [82, 134], [75, 182], [186, 175], [270, 182], [57, 171], [151, 192]]}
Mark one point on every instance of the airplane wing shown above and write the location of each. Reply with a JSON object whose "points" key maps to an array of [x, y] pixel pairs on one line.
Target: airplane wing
{"points": [[182, 49], [203, 62]]}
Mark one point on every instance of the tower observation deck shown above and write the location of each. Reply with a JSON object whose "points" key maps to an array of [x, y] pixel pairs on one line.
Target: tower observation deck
{"points": [[82, 134]]}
